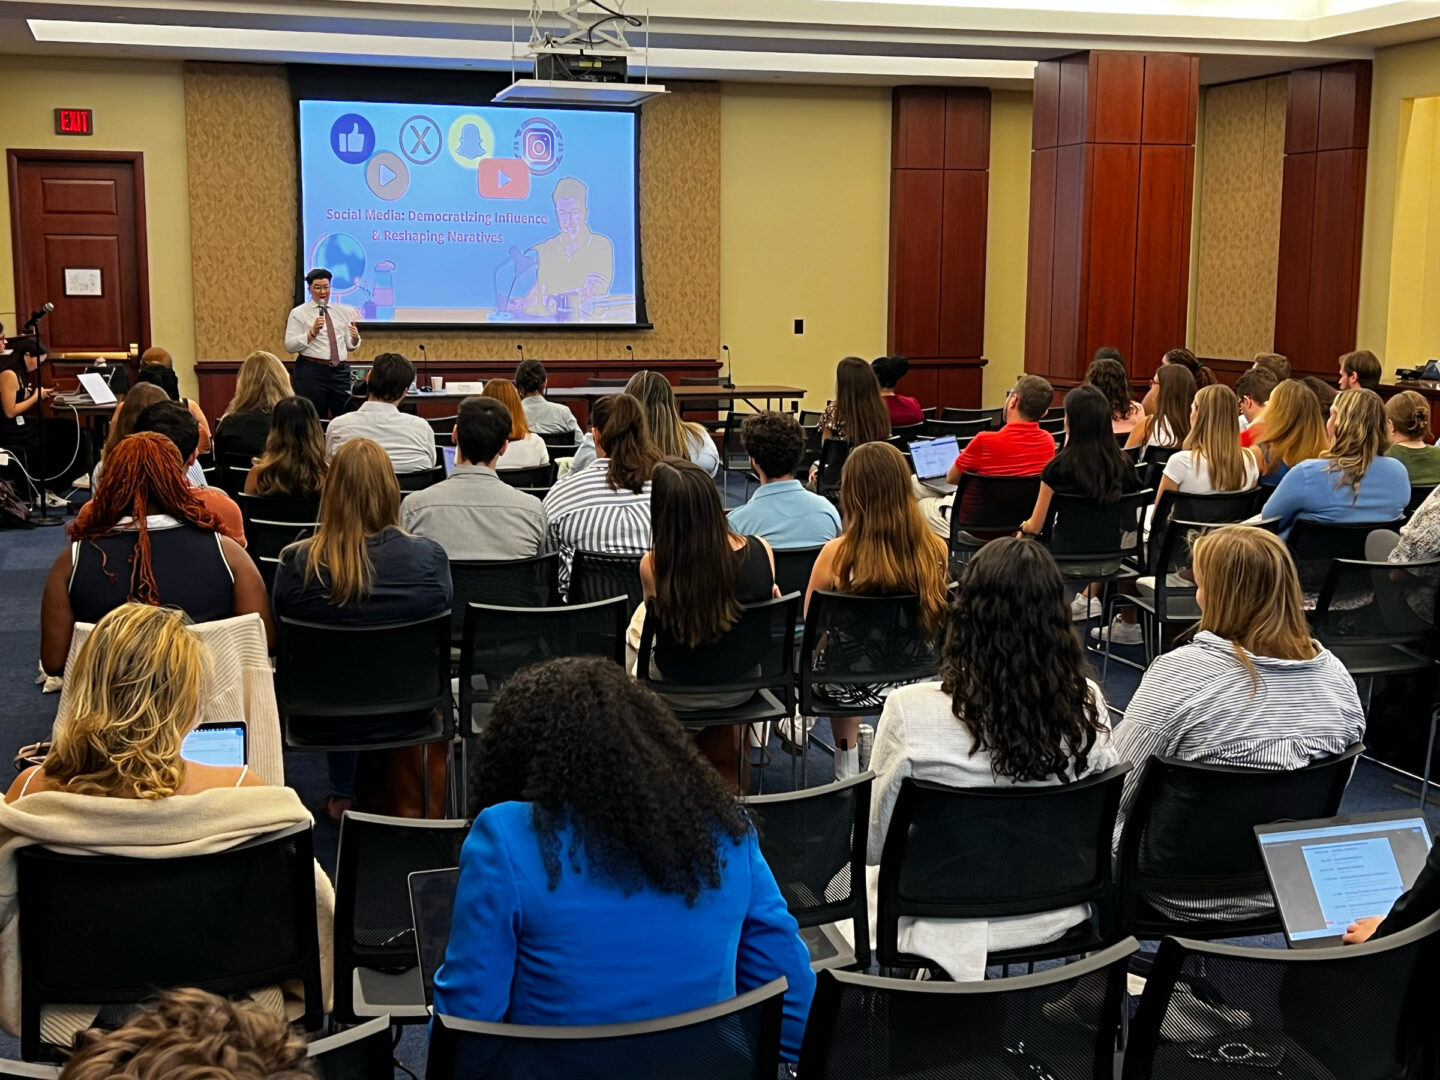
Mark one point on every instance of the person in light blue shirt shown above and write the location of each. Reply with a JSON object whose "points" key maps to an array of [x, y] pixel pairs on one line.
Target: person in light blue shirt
{"points": [[576, 906], [781, 512], [1353, 481]]}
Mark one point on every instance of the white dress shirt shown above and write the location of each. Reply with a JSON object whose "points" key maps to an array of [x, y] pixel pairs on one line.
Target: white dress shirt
{"points": [[408, 440], [527, 453], [302, 318]]}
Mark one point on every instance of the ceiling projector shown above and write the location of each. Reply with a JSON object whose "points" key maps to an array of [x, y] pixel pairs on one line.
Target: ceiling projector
{"points": [[587, 64]]}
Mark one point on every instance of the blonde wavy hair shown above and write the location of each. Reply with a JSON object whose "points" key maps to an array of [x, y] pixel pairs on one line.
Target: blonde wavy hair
{"points": [[671, 435], [1359, 437], [1294, 425], [358, 497], [1252, 595], [1215, 437], [887, 548], [135, 690], [261, 384]]}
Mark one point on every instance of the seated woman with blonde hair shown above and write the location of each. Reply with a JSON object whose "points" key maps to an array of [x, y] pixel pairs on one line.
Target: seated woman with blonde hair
{"points": [[115, 783]]}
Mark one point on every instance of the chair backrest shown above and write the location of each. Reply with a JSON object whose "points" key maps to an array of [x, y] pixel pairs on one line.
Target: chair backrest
{"points": [[756, 653], [814, 843], [265, 540], [232, 467], [1225, 1011], [537, 476], [499, 641], [607, 380], [1418, 494], [373, 927], [1077, 526], [833, 453], [992, 415], [1217, 507], [1315, 544], [23, 1070], [366, 670], [1170, 558], [1190, 832], [907, 432], [1055, 425], [1160, 455], [810, 419], [992, 504], [734, 1039], [305, 508], [856, 648], [992, 852], [532, 582], [597, 575], [793, 567], [442, 425], [961, 429], [559, 440], [228, 922], [358, 1053], [420, 479], [1369, 603], [1059, 1024]]}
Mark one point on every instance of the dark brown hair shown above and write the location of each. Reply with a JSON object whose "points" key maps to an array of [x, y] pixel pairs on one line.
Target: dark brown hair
{"points": [[1275, 363], [1107, 375], [1256, 384], [858, 404], [775, 441], [1363, 364], [620, 421], [696, 570], [1033, 396]]}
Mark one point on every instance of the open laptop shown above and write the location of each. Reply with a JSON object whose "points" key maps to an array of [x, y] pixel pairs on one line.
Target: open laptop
{"points": [[224, 743], [94, 389], [447, 454], [933, 458], [432, 898], [1329, 872]]}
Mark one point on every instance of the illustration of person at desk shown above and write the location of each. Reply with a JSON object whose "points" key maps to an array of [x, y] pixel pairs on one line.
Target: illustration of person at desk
{"points": [[575, 266]]}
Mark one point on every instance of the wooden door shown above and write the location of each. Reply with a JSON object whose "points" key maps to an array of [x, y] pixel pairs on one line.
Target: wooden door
{"points": [[78, 222]]}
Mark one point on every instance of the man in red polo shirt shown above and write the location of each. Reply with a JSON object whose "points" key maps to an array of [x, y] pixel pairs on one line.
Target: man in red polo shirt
{"points": [[1020, 448]]}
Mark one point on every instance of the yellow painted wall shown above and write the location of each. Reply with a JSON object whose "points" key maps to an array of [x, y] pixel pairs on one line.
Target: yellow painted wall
{"points": [[1413, 325], [139, 105], [1006, 243], [804, 230], [1402, 73]]}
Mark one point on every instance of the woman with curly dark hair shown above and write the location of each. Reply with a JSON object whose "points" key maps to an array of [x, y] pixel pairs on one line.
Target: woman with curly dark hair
{"points": [[1015, 705], [609, 875], [1107, 374]]}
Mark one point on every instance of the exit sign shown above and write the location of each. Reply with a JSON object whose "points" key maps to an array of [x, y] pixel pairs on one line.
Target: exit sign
{"points": [[74, 122]]}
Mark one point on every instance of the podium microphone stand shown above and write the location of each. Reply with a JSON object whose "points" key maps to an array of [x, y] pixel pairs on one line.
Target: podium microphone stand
{"points": [[32, 345]]}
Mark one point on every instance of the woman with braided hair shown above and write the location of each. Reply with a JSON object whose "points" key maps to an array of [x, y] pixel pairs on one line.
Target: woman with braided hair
{"points": [[145, 537]]}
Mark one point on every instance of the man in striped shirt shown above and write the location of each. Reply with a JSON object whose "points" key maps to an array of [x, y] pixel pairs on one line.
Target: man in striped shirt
{"points": [[605, 506]]}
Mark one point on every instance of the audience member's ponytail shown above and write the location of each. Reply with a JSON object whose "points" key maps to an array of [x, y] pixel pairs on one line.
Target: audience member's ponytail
{"points": [[619, 421]]}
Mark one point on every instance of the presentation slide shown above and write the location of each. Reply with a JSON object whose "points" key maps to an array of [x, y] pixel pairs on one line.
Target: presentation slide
{"points": [[1354, 879], [441, 214]]}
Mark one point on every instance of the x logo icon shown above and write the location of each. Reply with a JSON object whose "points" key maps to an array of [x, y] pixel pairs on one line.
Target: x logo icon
{"points": [[420, 140]]}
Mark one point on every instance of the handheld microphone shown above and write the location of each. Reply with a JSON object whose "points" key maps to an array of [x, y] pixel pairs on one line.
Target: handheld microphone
{"points": [[324, 307], [36, 316]]}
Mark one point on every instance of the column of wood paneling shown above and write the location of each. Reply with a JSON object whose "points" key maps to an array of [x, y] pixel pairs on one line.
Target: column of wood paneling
{"points": [[1112, 171], [1322, 210], [939, 200]]}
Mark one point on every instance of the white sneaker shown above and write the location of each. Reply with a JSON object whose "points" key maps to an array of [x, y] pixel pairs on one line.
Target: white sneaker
{"points": [[55, 502], [1119, 632], [795, 733], [1085, 607], [81, 482], [847, 763]]}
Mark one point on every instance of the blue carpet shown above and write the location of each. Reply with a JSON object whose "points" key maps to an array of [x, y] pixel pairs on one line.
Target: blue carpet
{"points": [[26, 716]]}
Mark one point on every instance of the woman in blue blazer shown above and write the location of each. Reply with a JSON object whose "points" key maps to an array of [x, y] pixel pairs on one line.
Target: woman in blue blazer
{"points": [[609, 876]]}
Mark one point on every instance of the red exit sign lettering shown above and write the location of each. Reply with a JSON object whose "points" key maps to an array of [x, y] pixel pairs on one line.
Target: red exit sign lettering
{"points": [[74, 122]]}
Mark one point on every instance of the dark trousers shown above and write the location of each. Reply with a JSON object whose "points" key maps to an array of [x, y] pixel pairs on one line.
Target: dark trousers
{"points": [[328, 388]]}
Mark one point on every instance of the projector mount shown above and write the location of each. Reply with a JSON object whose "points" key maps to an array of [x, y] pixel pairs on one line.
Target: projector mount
{"points": [[586, 30]]}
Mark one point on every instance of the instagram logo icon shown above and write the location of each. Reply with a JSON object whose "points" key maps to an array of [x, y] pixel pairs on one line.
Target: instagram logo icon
{"points": [[539, 145]]}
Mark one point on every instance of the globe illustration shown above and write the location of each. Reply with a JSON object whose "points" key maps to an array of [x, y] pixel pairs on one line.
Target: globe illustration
{"points": [[342, 255]]}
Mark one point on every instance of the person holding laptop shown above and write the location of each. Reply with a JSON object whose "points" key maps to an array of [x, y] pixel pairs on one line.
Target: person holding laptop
{"points": [[1020, 448]]}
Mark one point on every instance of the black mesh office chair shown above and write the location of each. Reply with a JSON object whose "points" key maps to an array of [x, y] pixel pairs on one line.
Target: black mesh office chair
{"points": [[358, 1053], [232, 921], [793, 567], [1189, 841], [304, 509], [986, 507], [372, 686], [1315, 544], [375, 957], [994, 852], [532, 582], [733, 456], [1223, 1012], [420, 479], [563, 441], [537, 476], [734, 1039], [1059, 1024], [598, 575], [231, 469], [442, 425], [907, 432], [814, 843], [1418, 494], [833, 453], [961, 429], [265, 540], [992, 416]]}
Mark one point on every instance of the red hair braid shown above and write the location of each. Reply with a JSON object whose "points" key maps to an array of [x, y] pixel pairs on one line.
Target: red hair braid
{"points": [[143, 474]]}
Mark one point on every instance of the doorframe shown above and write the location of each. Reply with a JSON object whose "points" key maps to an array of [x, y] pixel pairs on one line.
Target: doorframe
{"points": [[136, 159]]}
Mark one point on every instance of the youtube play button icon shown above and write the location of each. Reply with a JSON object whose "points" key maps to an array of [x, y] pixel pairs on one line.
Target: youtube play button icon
{"points": [[387, 176], [502, 178]]}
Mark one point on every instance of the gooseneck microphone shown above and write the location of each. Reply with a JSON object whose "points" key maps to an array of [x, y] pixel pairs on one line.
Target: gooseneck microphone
{"points": [[521, 350], [424, 368], [729, 371]]}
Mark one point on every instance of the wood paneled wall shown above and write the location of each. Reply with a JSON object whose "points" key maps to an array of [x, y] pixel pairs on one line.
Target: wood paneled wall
{"points": [[1322, 210], [939, 201], [1112, 173]]}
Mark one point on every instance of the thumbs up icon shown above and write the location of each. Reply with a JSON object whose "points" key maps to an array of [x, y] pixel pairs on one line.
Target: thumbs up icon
{"points": [[352, 138], [352, 142]]}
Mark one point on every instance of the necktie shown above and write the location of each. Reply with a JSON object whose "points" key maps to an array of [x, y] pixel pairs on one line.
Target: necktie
{"points": [[334, 344]]}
